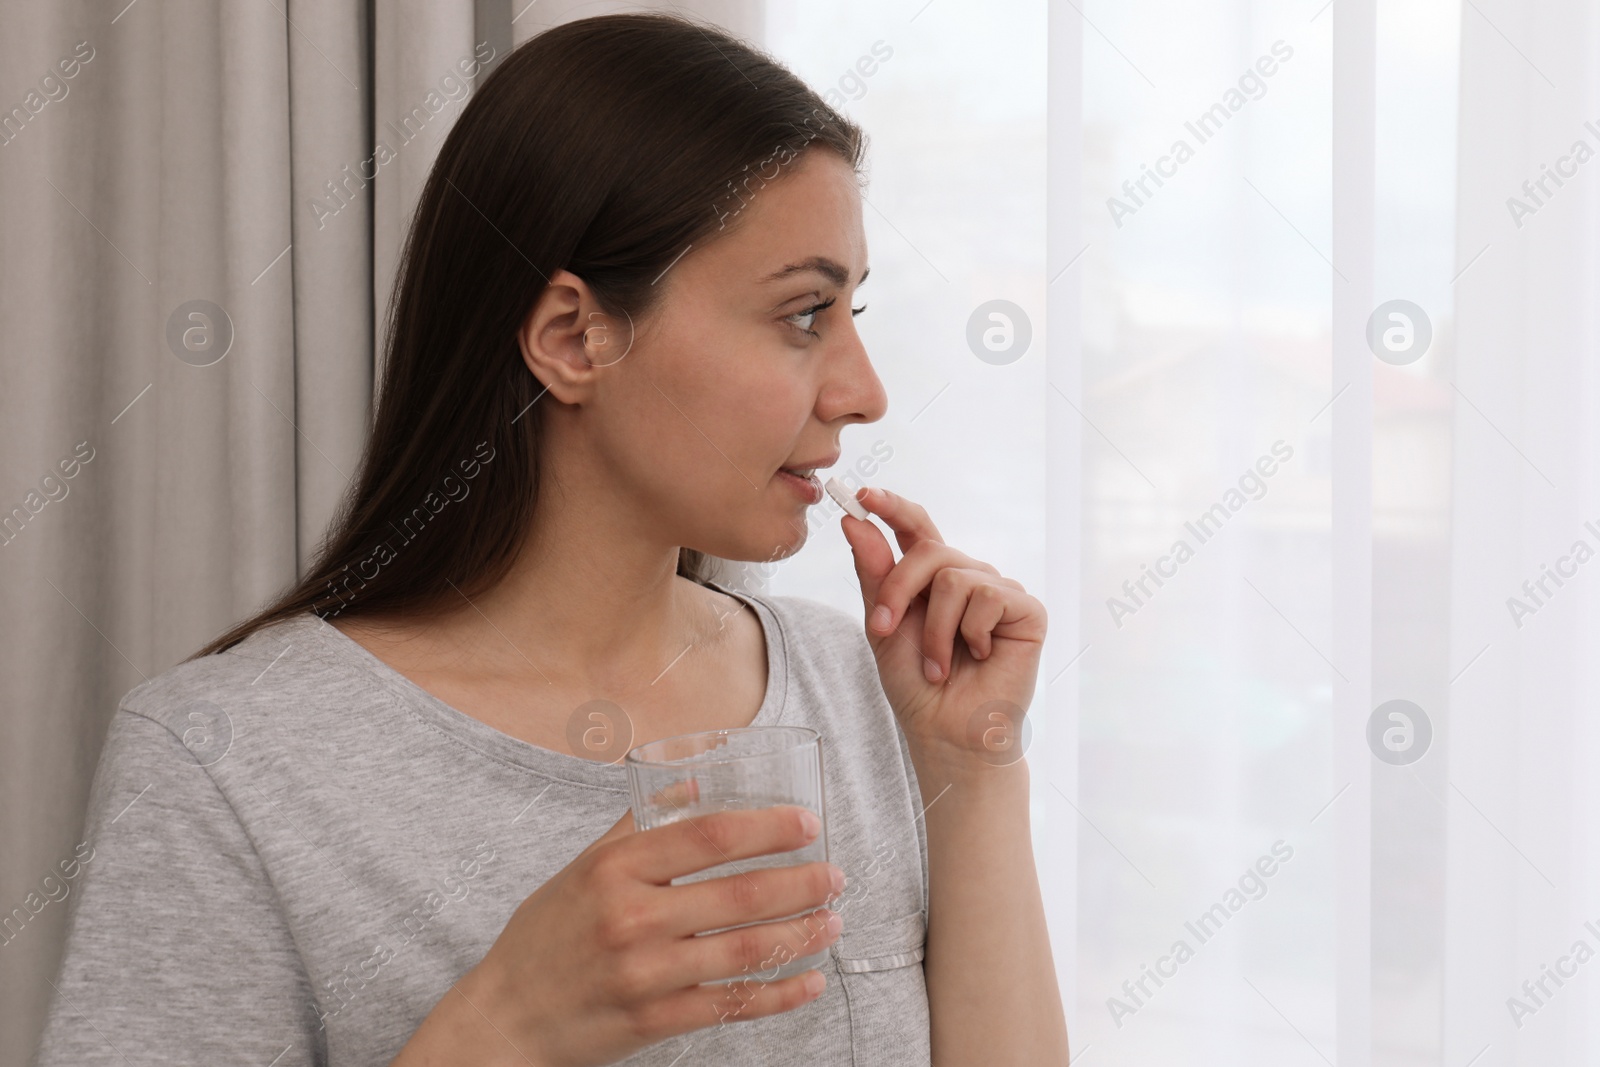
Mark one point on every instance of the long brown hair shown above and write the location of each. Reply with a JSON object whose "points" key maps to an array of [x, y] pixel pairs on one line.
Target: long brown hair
{"points": [[606, 146]]}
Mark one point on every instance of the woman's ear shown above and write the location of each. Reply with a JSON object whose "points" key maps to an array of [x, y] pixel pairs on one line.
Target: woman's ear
{"points": [[566, 339]]}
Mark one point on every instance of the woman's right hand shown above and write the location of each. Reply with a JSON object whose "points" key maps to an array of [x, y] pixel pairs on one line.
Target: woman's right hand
{"points": [[602, 959]]}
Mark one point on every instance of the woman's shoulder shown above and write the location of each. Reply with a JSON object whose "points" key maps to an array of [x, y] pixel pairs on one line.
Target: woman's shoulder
{"points": [[281, 668], [832, 672], [817, 615], [824, 636], [815, 624]]}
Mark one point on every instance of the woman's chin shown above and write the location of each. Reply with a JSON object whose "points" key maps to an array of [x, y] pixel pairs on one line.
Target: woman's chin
{"points": [[777, 541]]}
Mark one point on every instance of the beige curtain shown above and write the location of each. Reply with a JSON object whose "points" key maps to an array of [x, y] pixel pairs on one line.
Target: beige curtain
{"points": [[201, 207]]}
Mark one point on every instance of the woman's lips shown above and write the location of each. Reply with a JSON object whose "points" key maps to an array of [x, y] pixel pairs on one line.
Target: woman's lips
{"points": [[809, 488]]}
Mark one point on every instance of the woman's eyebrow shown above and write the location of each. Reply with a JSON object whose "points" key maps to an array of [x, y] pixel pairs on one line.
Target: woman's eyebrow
{"points": [[822, 265]]}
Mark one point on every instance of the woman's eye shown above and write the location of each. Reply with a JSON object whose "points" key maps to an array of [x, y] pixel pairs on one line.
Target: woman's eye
{"points": [[810, 315], [804, 320]]}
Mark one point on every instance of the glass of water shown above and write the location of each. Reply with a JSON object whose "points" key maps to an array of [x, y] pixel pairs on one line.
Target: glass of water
{"points": [[682, 777]]}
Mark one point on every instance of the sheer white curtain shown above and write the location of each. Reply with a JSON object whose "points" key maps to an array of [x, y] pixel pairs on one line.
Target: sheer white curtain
{"points": [[1521, 892], [1258, 533]]}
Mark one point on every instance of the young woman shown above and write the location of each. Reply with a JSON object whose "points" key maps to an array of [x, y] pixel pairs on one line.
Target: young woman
{"points": [[386, 819]]}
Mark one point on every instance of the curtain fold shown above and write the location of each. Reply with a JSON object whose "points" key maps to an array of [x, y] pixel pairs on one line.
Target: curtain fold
{"points": [[155, 193], [1522, 887], [326, 277]]}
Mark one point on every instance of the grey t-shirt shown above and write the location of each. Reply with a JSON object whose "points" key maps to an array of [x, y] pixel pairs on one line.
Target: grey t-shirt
{"points": [[296, 850]]}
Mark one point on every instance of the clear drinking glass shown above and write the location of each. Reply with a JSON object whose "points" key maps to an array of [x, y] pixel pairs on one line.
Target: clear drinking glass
{"points": [[681, 777]]}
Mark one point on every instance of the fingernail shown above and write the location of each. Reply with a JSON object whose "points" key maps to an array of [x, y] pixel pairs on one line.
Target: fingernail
{"points": [[931, 670], [813, 983], [835, 923], [810, 823], [836, 876], [880, 617]]}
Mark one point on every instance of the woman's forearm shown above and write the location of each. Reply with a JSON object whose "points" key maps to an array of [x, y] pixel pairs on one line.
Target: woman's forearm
{"points": [[460, 1030], [992, 993]]}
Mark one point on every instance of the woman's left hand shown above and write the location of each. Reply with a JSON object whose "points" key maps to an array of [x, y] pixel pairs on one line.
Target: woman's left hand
{"points": [[945, 691]]}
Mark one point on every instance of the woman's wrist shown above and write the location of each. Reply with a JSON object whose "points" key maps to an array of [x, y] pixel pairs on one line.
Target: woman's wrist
{"points": [[941, 765], [468, 1025]]}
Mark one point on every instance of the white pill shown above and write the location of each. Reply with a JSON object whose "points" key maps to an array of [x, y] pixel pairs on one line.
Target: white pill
{"points": [[845, 498]]}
